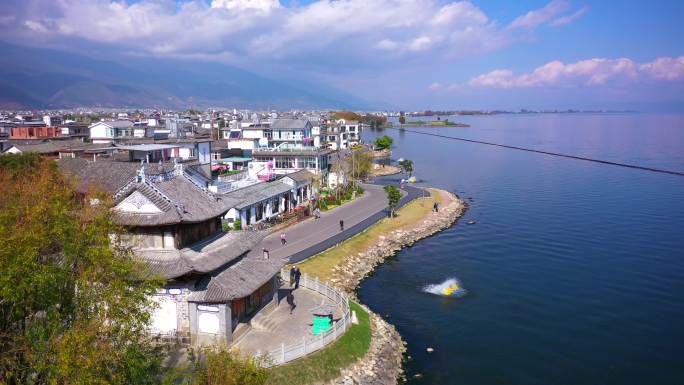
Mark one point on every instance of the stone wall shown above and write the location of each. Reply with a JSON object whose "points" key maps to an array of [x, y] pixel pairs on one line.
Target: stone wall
{"points": [[383, 362]]}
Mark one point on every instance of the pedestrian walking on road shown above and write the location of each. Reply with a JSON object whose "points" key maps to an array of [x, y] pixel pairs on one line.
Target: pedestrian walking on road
{"points": [[298, 274], [293, 271], [283, 239], [290, 301], [341, 225], [265, 253], [435, 207], [317, 213]]}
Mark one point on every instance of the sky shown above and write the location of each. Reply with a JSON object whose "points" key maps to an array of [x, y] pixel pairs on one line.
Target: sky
{"points": [[410, 55]]}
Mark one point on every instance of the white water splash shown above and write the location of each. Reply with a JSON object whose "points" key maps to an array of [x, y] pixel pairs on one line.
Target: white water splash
{"points": [[438, 289]]}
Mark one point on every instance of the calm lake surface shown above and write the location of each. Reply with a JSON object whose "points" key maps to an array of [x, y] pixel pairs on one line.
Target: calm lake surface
{"points": [[575, 270]]}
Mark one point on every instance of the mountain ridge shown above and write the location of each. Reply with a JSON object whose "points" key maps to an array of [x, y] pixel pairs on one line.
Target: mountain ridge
{"points": [[47, 78]]}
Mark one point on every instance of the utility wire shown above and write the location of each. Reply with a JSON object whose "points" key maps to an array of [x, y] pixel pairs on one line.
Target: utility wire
{"points": [[634, 166]]}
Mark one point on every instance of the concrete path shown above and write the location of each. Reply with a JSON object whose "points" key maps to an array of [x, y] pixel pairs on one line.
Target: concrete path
{"points": [[287, 328], [312, 232]]}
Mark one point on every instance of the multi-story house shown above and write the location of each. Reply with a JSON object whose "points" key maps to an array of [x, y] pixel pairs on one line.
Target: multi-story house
{"points": [[288, 158], [107, 131], [174, 226], [293, 131]]}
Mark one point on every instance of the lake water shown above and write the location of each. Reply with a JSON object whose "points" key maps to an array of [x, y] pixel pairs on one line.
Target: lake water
{"points": [[574, 270]]}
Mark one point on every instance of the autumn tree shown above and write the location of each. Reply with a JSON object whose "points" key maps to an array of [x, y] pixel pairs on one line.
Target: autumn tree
{"points": [[74, 308], [360, 163]]}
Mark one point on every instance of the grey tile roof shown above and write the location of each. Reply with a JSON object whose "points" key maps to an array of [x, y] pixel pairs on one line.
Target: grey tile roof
{"points": [[44, 147], [192, 203], [179, 198], [202, 257], [169, 215], [289, 124], [107, 175], [238, 280], [300, 176], [257, 193]]}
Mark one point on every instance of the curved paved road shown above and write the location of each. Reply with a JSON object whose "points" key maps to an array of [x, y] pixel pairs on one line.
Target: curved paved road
{"points": [[313, 236]]}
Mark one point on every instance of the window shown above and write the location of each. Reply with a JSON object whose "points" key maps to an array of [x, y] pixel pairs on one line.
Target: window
{"points": [[285, 162], [307, 162]]}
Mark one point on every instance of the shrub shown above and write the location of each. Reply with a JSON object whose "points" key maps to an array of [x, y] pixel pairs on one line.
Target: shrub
{"points": [[225, 226], [237, 225], [383, 142], [360, 190], [217, 365]]}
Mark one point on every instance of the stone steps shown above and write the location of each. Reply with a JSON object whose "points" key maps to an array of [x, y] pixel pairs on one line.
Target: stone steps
{"points": [[239, 332], [263, 322]]}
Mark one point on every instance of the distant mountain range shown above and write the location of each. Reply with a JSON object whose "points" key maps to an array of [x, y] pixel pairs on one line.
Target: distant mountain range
{"points": [[37, 78]]}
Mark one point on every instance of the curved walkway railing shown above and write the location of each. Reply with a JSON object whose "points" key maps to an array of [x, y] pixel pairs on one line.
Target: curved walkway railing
{"points": [[311, 343]]}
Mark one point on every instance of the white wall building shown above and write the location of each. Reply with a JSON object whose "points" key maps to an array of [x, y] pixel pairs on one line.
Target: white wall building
{"points": [[107, 131]]}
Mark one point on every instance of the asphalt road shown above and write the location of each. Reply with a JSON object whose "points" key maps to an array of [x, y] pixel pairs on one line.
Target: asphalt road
{"points": [[313, 236]]}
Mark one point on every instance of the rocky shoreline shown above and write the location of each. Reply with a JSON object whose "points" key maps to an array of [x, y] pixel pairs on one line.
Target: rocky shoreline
{"points": [[383, 362], [385, 170]]}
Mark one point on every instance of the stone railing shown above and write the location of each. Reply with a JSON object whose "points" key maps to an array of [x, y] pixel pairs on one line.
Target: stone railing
{"points": [[310, 344]]}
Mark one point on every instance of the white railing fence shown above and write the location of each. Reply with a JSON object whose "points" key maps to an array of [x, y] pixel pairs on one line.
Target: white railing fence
{"points": [[312, 343]]}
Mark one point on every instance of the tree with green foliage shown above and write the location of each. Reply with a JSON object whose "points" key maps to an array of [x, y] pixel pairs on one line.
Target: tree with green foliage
{"points": [[237, 225], [407, 165], [402, 119], [74, 307], [384, 142], [393, 197]]}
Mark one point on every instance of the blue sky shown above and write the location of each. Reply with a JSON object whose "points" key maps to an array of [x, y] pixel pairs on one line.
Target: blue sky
{"points": [[406, 54]]}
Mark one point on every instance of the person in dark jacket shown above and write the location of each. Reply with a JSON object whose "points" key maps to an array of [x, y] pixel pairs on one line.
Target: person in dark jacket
{"points": [[293, 271], [341, 225], [298, 275], [290, 301]]}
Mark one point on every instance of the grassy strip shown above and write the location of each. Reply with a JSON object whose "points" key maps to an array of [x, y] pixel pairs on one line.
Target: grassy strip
{"points": [[325, 365], [321, 265]]}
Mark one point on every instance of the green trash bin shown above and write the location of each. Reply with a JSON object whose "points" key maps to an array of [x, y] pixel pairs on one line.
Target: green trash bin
{"points": [[321, 324]]}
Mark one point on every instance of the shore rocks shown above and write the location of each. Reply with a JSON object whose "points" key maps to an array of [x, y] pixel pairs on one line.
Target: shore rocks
{"points": [[349, 274], [383, 362]]}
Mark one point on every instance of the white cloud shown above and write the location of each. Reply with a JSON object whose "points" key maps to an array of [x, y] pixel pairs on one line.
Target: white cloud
{"points": [[421, 43], [537, 17], [35, 26], [591, 72], [664, 68], [568, 19], [258, 29], [435, 86], [262, 6], [551, 14]]}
